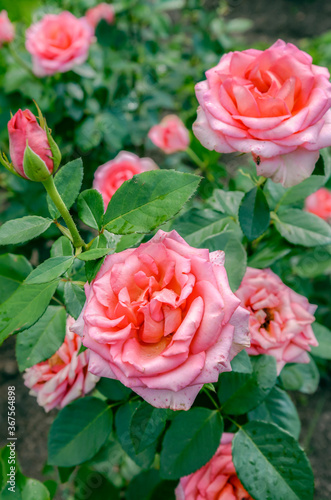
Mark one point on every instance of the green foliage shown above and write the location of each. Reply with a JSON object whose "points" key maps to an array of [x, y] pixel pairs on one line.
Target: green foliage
{"points": [[300, 377], [254, 214], [302, 228], [24, 229], [147, 423], [323, 336], [49, 270], [74, 298], [113, 389], [91, 208], [13, 270], [68, 181], [270, 463]]}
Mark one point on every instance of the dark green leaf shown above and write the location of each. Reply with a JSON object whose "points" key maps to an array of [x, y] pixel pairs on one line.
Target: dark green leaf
{"points": [[68, 181], [279, 409], [303, 377], [24, 307], [313, 263], [270, 463], [74, 298], [191, 440], [43, 339], [65, 473], [254, 214], [24, 229], [147, 424], [241, 392], [91, 485], [323, 336], [91, 208], [13, 270], [113, 389], [49, 270], [142, 486], [148, 200], [268, 252], [241, 363], [79, 431], [302, 228]]}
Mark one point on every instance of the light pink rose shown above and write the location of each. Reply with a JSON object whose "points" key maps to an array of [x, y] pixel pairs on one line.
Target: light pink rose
{"points": [[101, 11], [24, 128], [170, 135], [319, 203], [273, 104], [162, 319], [280, 319], [58, 42], [62, 378], [110, 176], [7, 32], [217, 480]]}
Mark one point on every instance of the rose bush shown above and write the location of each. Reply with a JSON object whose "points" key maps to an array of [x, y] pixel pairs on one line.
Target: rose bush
{"points": [[62, 378], [280, 319], [217, 480], [58, 42], [162, 319], [273, 104]]}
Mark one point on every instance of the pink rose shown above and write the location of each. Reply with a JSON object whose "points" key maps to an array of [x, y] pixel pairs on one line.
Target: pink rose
{"points": [[110, 176], [24, 129], [280, 319], [162, 319], [217, 480], [319, 203], [62, 378], [273, 104], [7, 32], [58, 42], [170, 135], [102, 11]]}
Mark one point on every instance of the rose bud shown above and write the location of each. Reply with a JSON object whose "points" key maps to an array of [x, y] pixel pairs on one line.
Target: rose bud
{"points": [[280, 319], [7, 31], [33, 151], [217, 480], [319, 203], [170, 135], [102, 11], [63, 377]]}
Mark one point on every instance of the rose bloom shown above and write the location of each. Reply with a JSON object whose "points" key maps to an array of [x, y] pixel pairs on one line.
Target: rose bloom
{"points": [[110, 176], [62, 378], [7, 32], [273, 104], [280, 319], [24, 128], [319, 203], [102, 11], [162, 319], [58, 42], [217, 480], [170, 135]]}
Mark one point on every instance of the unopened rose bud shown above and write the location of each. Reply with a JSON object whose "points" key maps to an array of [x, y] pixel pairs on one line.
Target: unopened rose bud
{"points": [[7, 32], [33, 151]]}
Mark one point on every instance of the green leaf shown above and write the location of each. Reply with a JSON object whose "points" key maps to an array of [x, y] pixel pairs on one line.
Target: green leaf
{"points": [[279, 409], [268, 252], [94, 254], [62, 247], [79, 431], [273, 192], [303, 377], [13, 270], [91, 485], [323, 336], [242, 363], [113, 389], [128, 240], [49, 270], [227, 202], [24, 229], [147, 424], [254, 214], [235, 256], [191, 440], [74, 298], [24, 307], [91, 208], [197, 225], [313, 263], [43, 339], [35, 490], [270, 463], [302, 228], [241, 392], [122, 424], [142, 486], [148, 200], [65, 473], [68, 181]]}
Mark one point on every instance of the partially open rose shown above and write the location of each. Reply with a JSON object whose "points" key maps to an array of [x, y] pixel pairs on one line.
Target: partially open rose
{"points": [[162, 319], [273, 103]]}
